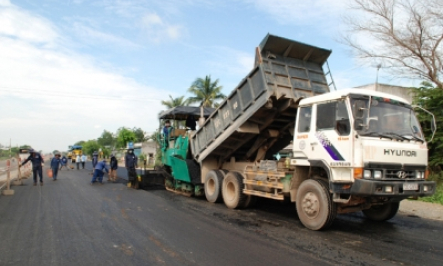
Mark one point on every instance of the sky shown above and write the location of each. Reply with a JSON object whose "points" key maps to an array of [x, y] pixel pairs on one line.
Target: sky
{"points": [[71, 69]]}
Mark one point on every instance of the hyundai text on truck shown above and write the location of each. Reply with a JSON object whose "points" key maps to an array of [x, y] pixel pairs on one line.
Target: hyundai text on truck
{"points": [[353, 150]]}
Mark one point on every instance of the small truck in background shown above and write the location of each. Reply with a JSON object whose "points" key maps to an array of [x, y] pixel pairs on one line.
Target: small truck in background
{"points": [[353, 150], [74, 151]]}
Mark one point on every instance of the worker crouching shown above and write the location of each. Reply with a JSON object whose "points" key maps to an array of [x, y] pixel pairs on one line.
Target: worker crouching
{"points": [[99, 172]]}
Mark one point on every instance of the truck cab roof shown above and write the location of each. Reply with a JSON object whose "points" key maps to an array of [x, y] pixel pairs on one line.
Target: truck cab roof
{"points": [[345, 92]]}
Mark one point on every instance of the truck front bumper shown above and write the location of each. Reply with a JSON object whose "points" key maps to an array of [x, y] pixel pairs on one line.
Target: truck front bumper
{"points": [[364, 187]]}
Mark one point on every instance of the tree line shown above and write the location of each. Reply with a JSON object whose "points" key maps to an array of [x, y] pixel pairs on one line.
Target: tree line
{"points": [[109, 141]]}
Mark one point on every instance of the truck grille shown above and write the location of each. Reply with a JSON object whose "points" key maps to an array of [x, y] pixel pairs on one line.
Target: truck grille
{"points": [[399, 174], [396, 171]]}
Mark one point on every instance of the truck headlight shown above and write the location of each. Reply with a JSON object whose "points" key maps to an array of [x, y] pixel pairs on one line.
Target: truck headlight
{"points": [[388, 189], [377, 174], [367, 174], [419, 174]]}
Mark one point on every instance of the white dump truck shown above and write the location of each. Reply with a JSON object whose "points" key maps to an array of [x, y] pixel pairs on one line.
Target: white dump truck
{"points": [[353, 150]]}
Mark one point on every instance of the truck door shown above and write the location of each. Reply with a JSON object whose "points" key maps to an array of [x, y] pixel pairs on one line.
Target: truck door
{"points": [[327, 140]]}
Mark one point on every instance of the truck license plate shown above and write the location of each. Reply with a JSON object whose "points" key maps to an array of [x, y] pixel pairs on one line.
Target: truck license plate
{"points": [[410, 186]]}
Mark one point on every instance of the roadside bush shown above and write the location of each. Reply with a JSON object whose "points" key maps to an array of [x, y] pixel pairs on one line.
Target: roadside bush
{"points": [[438, 196]]}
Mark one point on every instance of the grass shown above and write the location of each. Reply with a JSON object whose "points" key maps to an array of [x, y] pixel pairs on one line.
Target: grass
{"points": [[438, 195]]}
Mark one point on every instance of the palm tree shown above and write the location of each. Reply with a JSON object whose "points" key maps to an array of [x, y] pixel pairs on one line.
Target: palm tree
{"points": [[173, 102], [206, 92]]}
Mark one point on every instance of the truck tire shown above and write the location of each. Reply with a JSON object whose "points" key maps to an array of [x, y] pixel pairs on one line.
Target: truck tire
{"points": [[314, 205], [232, 190], [249, 202], [213, 184], [223, 172], [380, 213]]}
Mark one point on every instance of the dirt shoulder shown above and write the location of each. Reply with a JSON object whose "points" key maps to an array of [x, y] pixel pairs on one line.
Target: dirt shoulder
{"points": [[422, 209]]}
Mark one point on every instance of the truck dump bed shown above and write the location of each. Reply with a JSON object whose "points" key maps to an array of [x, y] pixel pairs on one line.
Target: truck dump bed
{"points": [[257, 119]]}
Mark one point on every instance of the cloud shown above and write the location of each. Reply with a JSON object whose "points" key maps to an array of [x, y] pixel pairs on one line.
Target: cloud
{"points": [[92, 35], [23, 25], [158, 30], [5, 3], [59, 93]]}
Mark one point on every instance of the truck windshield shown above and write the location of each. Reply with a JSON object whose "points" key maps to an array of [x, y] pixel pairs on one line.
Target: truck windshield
{"points": [[384, 117]]}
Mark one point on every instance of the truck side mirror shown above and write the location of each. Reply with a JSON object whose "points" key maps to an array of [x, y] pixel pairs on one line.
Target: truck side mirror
{"points": [[359, 108], [358, 124], [433, 123]]}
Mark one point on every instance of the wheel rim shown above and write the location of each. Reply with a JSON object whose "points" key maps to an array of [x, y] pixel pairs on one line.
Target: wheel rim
{"points": [[230, 191], [211, 186], [310, 205]]}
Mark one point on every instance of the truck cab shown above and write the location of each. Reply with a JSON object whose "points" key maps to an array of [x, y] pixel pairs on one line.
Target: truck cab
{"points": [[367, 146]]}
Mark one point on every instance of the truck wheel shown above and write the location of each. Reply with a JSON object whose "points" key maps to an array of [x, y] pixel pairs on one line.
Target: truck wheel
{"points": [[314, 205], [232, 190], [383, 212], [249, 202], [213, 184]]}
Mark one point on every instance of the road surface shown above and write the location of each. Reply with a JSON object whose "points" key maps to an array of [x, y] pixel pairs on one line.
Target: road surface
{"points": [[70, 222]]}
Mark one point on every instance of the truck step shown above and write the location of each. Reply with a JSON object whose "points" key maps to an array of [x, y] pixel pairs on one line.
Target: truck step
{"points": [[263, 183], [263, 194]]}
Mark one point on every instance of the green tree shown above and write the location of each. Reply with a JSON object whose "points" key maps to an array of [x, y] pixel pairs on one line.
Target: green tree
{"points": [[90, 147], [139, 135], [106, 152], [106, 139], [431, 99], [173, 102], [55, 151], [206, 92], [124, 135]]}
